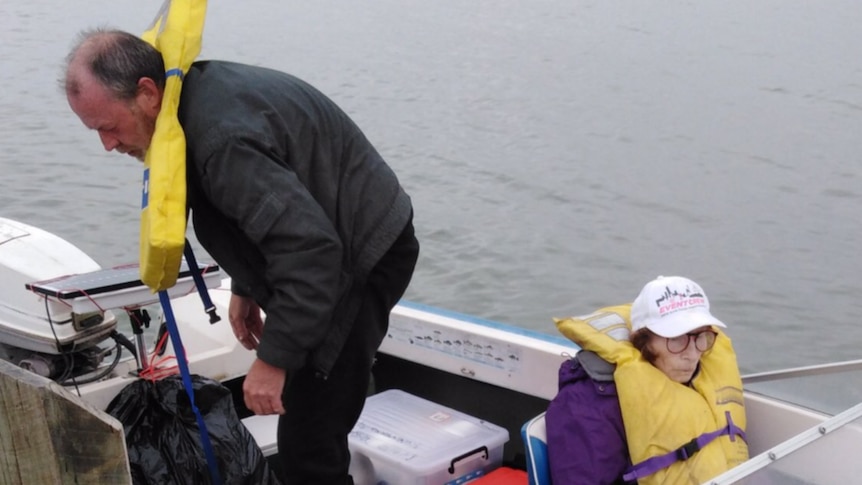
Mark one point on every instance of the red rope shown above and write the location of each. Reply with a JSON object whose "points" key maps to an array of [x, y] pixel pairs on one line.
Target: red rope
{"points": [[155, 371]]}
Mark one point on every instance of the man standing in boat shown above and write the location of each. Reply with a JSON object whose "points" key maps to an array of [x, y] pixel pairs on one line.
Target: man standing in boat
{"points": [[294, 202]]}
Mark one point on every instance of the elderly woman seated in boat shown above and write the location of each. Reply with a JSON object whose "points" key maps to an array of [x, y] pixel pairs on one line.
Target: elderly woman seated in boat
{"points": [[654, 397]]}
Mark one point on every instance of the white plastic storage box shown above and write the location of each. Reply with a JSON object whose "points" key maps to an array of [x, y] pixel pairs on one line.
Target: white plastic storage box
{"points": [[412, 441]]}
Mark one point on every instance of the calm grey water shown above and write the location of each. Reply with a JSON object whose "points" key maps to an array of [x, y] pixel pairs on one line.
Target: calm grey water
{"points": [[559, 153]]}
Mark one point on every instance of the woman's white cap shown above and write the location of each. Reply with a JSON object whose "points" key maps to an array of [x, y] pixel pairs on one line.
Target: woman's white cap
{"points": [[671, 306]]}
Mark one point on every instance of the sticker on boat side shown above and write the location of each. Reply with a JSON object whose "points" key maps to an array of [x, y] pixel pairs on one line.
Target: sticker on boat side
{"points": [[467, 345]]}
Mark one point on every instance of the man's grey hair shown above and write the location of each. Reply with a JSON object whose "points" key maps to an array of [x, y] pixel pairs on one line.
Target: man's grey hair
{"points": [[117, 59]]}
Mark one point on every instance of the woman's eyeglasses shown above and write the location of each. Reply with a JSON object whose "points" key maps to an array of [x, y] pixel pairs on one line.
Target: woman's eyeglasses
{"points": [[703, 341]]}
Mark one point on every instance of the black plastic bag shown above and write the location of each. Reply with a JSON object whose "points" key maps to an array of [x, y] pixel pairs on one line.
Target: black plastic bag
{"points": [[164, 441]]}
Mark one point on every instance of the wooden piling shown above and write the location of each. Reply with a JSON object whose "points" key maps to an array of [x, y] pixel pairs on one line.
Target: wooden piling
{"points": [[50, 436]]}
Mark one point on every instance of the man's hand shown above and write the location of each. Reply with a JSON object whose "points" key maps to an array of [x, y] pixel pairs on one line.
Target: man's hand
{"points": [[262, 389], [244, 316]]}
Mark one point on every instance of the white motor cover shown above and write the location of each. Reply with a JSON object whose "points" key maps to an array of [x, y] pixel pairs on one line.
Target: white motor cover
{"points": [[27, 255]]}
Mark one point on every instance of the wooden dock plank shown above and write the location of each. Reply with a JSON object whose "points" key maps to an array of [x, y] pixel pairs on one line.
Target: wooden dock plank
{"points": [[49, 435]]}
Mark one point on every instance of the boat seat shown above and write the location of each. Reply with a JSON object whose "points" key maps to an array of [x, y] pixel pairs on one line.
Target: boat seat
{"points": [[264, 430], [535, 439]]}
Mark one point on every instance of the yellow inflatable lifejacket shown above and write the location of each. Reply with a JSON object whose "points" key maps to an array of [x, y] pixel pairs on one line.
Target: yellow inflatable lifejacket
{"points": [[176, 33], [662, 417]]}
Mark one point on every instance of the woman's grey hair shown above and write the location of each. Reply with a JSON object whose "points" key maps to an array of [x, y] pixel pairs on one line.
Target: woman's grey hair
{"points": [[639, 339], [117, 59]]}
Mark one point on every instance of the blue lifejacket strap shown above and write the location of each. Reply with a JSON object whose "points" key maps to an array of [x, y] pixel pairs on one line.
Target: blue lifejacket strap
{"points": [[175, 72], [199, 283], [684, 452], [180, 354]]}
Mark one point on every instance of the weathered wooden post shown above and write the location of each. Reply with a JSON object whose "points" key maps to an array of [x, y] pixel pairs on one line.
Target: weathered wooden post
{"points": [[50, 436]]}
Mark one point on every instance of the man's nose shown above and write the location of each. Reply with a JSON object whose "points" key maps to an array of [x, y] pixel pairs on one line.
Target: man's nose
{"points": [[108, 141]]}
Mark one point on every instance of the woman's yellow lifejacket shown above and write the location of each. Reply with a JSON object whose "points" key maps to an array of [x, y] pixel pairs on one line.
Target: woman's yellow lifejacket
{"points": [[662, 416]]}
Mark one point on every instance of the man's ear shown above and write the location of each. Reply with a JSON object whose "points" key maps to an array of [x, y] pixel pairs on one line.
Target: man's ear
{"points": [[149, 97]]}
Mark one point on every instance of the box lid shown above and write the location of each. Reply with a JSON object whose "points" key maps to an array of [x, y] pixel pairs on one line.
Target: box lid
{"points": [[419, 434]]}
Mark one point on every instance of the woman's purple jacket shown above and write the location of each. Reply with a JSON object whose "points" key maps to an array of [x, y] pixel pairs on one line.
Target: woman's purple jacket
{"points": [[586, 438]]}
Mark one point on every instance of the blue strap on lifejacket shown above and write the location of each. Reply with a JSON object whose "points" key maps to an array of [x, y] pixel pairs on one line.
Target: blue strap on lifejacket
{"points": [[199, 283], [684, 452], [175, 72], [187, 383]]}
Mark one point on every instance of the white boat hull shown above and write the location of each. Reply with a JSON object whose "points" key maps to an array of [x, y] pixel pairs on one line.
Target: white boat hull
{"points": [[462, 362]]}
